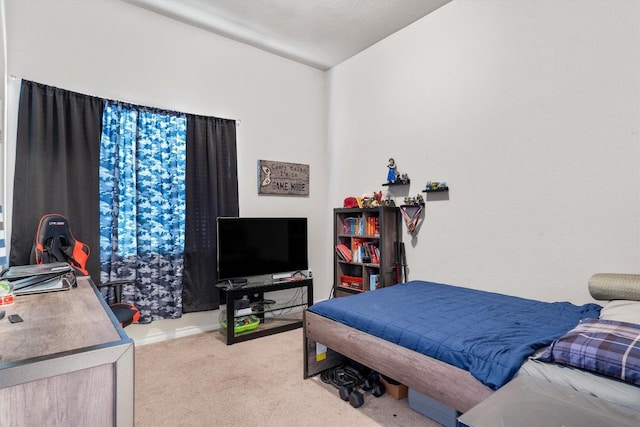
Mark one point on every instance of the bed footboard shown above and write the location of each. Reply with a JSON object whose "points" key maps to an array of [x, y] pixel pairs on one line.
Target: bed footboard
{"points": [[448, 384]]}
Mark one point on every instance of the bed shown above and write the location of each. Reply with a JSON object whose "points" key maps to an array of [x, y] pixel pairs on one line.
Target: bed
{"points": [[454, 344]]}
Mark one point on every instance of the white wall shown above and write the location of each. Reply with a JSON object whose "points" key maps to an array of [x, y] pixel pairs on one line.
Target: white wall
{"points": [[115, 50], [529, 110]]}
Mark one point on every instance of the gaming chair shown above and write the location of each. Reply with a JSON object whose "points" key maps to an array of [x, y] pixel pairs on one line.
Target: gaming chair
{"points": [[54, 242]]}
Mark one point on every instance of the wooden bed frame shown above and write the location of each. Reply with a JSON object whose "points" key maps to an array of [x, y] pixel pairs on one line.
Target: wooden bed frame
{"points": [[445, 383]]}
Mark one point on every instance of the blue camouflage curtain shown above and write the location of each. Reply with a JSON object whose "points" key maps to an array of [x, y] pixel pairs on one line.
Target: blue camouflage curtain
{"points": [[142, 206]]}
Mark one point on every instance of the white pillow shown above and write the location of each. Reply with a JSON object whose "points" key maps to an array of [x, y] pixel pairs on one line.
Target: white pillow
{"points": [[622, 311]]}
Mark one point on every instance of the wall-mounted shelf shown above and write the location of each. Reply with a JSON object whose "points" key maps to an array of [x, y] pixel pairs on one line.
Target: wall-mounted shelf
{"points": [[407, 182], [435, 187]]}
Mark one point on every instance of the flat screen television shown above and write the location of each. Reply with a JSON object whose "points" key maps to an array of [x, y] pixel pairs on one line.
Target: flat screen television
{"points": [[249, 246]]}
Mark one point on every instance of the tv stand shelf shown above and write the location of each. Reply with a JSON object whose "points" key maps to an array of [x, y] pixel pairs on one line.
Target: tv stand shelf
{"points": [[271, 321]]}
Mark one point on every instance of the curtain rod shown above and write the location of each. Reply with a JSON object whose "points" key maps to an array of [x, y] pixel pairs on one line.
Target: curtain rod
{"points": [[238, 121]]}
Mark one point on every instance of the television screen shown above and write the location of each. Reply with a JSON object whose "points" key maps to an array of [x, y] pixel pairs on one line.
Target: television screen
{"points": [[259, 246]]}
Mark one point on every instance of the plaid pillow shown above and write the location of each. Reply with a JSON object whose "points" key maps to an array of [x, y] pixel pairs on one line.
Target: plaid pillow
{"points": [[607, 347]]}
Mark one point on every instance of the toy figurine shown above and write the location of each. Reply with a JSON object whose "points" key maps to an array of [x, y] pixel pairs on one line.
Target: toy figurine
{"points": [[393, 171], [436, 186], [388, 201], [378, 198], [409, 200]]}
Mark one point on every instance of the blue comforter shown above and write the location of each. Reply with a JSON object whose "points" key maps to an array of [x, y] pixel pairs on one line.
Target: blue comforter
{"points": [[486, 333]]}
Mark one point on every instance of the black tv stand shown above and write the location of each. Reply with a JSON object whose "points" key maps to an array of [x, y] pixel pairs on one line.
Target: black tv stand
{"points": [[255, 293]]}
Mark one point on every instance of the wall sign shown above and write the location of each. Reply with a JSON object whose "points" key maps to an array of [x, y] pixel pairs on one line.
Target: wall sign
{"points": [[283, 178]]}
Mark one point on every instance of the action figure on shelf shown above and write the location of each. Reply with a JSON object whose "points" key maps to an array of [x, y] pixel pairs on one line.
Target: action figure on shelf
{"points": [[377, 199], [393, 171], [410, 200]]}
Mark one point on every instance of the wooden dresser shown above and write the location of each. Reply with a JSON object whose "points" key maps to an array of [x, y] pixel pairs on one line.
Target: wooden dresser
{"points": [[69, 363]]}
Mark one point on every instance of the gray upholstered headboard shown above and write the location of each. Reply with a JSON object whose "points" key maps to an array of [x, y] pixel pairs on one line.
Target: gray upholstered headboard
{"points": [[613, 286]]}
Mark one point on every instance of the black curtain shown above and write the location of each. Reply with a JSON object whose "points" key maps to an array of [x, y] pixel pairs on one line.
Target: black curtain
{"points": [[212, 191], [57, 159]]}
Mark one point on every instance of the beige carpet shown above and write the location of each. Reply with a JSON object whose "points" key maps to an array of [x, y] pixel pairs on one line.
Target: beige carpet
{"points": [[200, 381]]}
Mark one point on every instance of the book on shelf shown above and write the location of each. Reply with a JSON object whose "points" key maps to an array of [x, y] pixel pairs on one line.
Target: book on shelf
{"points": [[349, 225], [351, 282], [358, 253], [373, 226], [354, 226], [361, 226], [344, 252], [372, 252], [374, 282]]}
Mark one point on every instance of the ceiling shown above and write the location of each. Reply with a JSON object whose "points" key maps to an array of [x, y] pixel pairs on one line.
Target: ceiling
{"points": [[318, 33]]}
